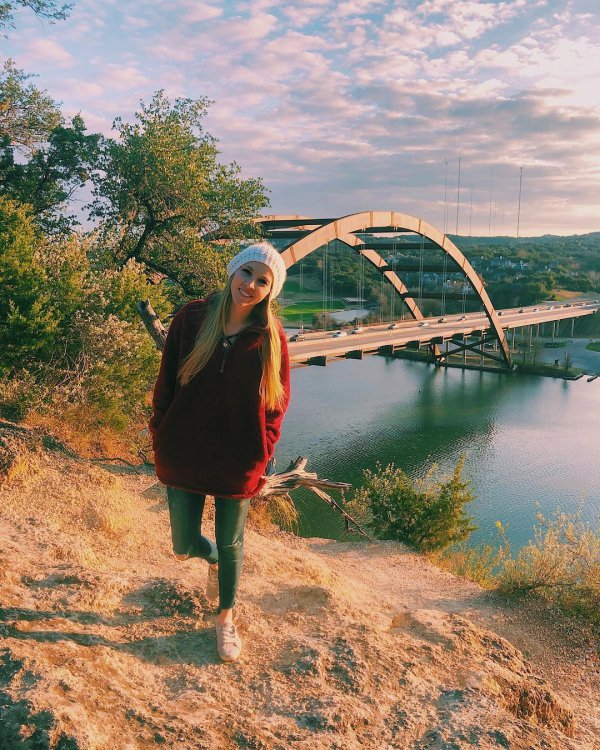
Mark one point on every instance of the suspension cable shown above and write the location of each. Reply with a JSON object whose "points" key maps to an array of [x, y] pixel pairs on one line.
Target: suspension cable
{"points": [[326, 246], [421, 252], [444, 276], [392, 287]]}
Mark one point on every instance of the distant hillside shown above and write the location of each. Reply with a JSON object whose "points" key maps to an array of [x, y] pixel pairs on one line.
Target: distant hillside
{"points": [[591, 238]]}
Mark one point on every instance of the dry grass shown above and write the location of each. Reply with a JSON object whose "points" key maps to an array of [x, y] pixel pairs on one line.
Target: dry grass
{"points": [[561, 294], [276, 509], [477, 564], [82, 430]]}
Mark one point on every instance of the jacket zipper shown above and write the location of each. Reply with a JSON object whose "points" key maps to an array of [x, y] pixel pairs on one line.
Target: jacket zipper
{"points": [[227, 344]]}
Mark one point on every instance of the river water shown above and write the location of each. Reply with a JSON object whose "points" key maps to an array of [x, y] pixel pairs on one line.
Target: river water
{"points": [[527, 439]]}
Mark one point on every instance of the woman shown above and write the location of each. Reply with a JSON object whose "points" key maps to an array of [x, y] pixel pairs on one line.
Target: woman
{"points": [[218, 404]]}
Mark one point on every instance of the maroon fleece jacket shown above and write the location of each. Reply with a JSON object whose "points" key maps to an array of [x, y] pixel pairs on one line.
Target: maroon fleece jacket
{"points": [[213, 435]]}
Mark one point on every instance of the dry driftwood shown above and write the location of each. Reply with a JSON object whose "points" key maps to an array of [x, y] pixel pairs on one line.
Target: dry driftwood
{"points": [[295, 476], [152, 322]]}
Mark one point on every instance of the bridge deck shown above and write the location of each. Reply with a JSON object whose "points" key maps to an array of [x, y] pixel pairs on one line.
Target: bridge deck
{"points": [[316, 347]]}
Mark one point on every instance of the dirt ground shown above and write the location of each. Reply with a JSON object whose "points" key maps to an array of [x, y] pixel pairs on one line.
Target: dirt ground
{"points": [[106, 642]]}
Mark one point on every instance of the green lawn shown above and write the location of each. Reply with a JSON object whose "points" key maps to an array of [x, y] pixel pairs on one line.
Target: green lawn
{"points": [[594, 346], [305, 310]]}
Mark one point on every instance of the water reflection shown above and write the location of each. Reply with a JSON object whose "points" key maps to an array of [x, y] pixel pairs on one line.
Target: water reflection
{"points": [[526, 438]]}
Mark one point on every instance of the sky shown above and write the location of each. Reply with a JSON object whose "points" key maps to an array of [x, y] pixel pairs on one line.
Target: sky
{"points": [[358, 105]]}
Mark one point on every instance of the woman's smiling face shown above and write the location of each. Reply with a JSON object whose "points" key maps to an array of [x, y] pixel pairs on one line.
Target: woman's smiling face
{"points": [[251, 283]]}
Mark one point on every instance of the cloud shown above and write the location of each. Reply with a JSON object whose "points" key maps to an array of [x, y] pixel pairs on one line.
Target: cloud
{"points": [[342, 105], [122, 77], [49, 51], [202, 12]]}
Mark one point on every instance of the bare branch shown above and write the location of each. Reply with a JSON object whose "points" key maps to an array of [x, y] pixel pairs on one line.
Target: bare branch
{"points": [[152, 323]]}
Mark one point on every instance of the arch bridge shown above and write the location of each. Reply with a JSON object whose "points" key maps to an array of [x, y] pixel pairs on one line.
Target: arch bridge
{"points": [[367, 233]]}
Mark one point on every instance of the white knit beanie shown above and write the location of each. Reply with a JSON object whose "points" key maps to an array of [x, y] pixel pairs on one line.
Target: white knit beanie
{"points": [[265, 253]]}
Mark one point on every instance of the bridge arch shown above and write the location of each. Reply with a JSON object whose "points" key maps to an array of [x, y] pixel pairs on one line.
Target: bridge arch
{"points": [[319, 232]]}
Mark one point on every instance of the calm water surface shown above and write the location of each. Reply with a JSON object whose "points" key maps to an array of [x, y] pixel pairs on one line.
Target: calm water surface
{"points": [[526, 438]]}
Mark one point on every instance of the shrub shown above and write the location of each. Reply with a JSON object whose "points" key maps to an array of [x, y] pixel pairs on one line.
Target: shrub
{"points": [[561, 564], [27, 320], [71, 341], [479, 563], [426, 513]]}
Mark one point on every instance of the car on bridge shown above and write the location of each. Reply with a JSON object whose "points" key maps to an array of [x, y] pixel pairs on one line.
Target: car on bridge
{"points": [[357, 329], [441, 320], [339, 334], [392, 326], [297, 337], [423, 323]]}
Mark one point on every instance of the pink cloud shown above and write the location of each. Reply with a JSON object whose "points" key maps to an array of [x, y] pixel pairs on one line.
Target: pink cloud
{"points": [[49, 51]]}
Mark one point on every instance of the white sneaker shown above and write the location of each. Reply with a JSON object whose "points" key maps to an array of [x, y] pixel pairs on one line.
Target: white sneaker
{"points": [[229, 643], [212, 583]]}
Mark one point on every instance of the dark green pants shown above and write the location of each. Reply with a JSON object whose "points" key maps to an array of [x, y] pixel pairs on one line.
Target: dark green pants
{"points": [[185, 511]]}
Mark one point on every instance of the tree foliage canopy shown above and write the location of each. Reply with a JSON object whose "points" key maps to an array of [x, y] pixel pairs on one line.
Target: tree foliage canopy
{"points": [[48, 9], [27, 115], [27, 320], [160, 193], [53, 173], [43, 160]]}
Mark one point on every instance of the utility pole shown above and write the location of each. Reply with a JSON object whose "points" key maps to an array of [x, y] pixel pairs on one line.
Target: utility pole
{"points": [[458, 193], [446, 196], [491, 198], [519, 209], [471, 213]]}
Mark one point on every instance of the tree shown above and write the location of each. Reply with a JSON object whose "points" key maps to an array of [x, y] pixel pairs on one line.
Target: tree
{"points": [[52, 174], [43, 160], [161, 195], [27, 320], [47, 9], [27, 115], [427, 514]]}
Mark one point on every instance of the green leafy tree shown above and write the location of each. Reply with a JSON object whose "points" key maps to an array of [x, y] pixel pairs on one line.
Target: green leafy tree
{"points": [[162, 195], [70, 339], [27, 115], [47, 9], [27, 320], [43, 160], [427, 513], [52, 174]]}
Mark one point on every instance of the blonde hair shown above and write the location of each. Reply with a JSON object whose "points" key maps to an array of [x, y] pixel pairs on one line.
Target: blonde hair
{"points": [[210, 336]]}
